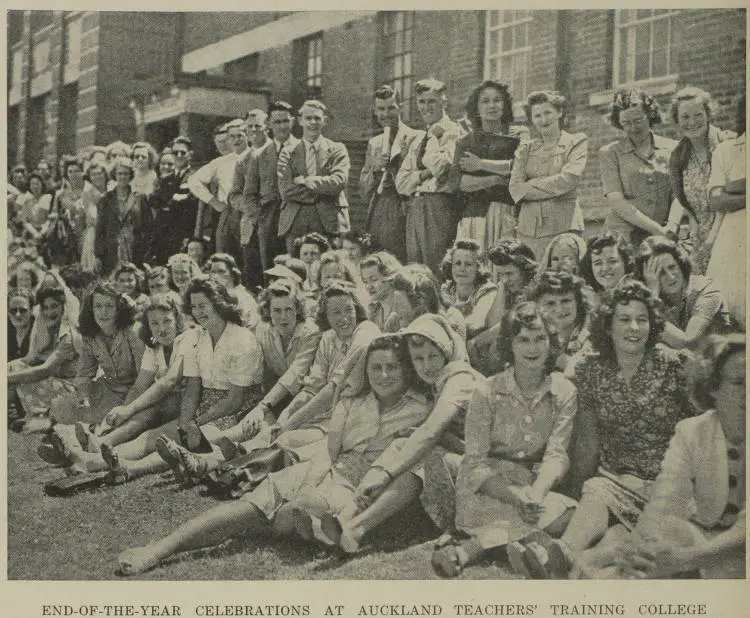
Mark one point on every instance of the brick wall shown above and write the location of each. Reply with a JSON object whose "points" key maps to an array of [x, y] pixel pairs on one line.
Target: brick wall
{"points": [[202, 29]]}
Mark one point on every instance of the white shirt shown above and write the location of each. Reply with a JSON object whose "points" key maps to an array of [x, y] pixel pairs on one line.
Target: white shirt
{"points": [[220, 171]]}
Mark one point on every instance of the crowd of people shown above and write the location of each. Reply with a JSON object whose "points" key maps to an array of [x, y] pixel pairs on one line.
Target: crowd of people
{"points": [[576, 403]]}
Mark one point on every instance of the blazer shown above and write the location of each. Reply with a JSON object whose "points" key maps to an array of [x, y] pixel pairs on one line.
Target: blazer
{"points": [[328, 199], [108, 225], [261, 184]]}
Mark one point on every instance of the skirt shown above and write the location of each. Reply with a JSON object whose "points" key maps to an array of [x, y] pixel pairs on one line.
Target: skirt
{"points": [[37, 397], [212, 396], [624, 494], [498, 224]]}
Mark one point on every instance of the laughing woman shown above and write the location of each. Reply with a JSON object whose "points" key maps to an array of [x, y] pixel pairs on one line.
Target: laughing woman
{"points": [[368, 422]]}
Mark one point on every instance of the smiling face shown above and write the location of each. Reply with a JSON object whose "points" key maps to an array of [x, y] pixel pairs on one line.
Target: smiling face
{"points": [[237, 139], [35, 186], [203, 311], [693, 119], [630, 328], [105, 312], [309, 253], [166, 165], [374, 282], [560, 310], [158, 283], [330, 271], [427, 359], [387, 112], [98, 178], [634, 122], [180, 274], [312, 121], [546, 118], [511, 275], [220, 271], [24, 279], [52, 310], [163, 326], [256, 130], [464, 266], [341, 315], [122, 176], [607, 267], [19, 312], [353, 250], [283, 312], [490, 105], [564, 257], [385, 374], [430, 105], [531, 347], [280, 122], [126, 283]]}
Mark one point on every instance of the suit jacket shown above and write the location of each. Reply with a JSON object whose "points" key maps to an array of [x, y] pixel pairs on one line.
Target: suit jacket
{"points": [[370, 178], [260, 185], [328, 199], [108, 225]]}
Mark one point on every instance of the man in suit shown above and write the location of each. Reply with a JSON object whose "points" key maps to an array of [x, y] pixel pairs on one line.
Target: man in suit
{"points": [[260, 201], [433, 211], [386, 212], [312, 179]]}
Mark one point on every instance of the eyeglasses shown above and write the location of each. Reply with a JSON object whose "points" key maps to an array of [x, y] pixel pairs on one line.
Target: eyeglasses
{"points": [[140, 156], [180, 153], [18, 311]]}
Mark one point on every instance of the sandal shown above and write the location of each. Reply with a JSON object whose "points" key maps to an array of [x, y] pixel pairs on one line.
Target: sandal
{"points": [[312, 528], [168, 450], [117, 473], [446, 561], [86, 438]]}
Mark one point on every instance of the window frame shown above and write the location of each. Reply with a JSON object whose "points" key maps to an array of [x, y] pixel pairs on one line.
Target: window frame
{"points": [[390, 56], [491, 54]]}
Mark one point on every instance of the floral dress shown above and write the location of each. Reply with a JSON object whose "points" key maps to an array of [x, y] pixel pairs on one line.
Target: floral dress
{"points": [[694, 182]]}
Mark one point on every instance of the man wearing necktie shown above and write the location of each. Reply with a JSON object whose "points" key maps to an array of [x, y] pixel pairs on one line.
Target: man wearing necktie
{"points": [[261, 201], [386, 212], [312, 179], [433, 208]]}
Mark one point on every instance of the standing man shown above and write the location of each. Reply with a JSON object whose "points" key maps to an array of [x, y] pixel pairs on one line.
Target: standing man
{"points": [[183, 199], [261, 201], [219, 173], [433, 212], [386, 212], [312, 179]]}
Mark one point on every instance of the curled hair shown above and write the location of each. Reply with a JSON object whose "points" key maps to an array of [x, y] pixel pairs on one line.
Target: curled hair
{"points": [[526, 314], [558, 283], [68, 163], [397, 344], [154, 271], [362, 239], [691, 93], [122, 162], [554, 98], [472, 104], [345, 266], [129, 267], [183, 258], [420, 286], [118, 149], [125, 309], [32, 273], [597, 244], [50, 290], [518, 254], [658, 245], [223, 301], [385, 262], [387, 91], [93, 167], [280, 289], [628, 98], [14, 292], [36, 175], [707, 374], [466, 244], [332, 290], [159, 302], [229, 261], [150, 151], [626, 291], [313, 238]]}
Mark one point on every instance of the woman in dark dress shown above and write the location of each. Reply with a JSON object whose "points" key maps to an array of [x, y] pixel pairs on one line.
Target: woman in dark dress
{"points": [[20, 321]]}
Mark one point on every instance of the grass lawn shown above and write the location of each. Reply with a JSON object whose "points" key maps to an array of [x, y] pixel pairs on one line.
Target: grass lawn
{"points": [[79, 537]]}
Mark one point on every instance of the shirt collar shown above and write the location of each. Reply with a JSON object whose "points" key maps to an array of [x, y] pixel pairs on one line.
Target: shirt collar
{"points": [[444, 123], [508, 385]]}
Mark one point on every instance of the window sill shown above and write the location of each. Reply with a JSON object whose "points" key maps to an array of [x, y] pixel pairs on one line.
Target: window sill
{"points": [[655, 86]]}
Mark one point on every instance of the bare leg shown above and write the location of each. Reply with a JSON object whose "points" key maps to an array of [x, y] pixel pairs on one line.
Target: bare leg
{"points": [[588, 524], [221, 523], [401, 492], [135, 426], [145, 444]]}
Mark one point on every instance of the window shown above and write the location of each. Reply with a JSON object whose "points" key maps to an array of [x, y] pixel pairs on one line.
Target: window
{"points": [[508, 50], [398, 43], [73, 43], [314, 73], [41, 56], [643, 41], [16, 68]]}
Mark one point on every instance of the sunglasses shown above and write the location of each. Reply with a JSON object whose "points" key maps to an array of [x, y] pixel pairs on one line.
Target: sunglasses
{"points": [[18, 311]]}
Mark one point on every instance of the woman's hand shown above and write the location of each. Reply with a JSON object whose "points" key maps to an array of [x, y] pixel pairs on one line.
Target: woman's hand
{"points": [[470, 162], [117, 416], [253, 421], [371, 486], [528, 504], [652, 274], [654, 559]]}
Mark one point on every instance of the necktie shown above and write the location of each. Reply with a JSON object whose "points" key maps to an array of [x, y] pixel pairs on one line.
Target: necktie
{"points": [[422, 149], [311, 161]]}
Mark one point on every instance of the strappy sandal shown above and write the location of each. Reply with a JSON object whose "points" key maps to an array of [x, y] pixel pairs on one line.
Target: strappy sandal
{"points": [[446, 557], [168, 450], [117, 474], [86, 438]]}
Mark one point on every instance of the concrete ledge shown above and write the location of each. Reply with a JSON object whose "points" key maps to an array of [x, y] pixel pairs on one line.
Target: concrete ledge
{"points": [[655, 87]]}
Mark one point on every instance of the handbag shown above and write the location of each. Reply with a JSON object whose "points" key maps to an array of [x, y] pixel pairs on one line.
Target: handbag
{"points": [[245, 472]]}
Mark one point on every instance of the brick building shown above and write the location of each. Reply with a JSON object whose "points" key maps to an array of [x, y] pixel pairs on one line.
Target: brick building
{"points": [[198, 68]]}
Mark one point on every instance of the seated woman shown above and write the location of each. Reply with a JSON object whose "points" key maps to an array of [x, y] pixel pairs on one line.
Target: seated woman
{"points": [[346, 334], [560, 297], [334, 266], [309, 248], [47, 371], [224, 267], [20, 322], [608, 259], [182, 269], [564, 253], [693, 306], [518, 430], [632, 392], [128, 280], [221, 364], [110, 357], [159, 281], [467, 285], [162, 331], [424, 464], [695, 518], [356, 246], [367, 423], [374, 269]]}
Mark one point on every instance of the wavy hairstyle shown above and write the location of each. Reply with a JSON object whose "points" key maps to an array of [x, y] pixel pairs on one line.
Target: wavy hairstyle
{"points": [[313, 238], [420, 286], [14, 292], [518, 254], [466, 244], [626, 291], [125, 309], [526, 314], [397, 344], [129, 267], [691, 93], [159, 302], [228, 261], [332, 290], [558, 283], [707, 374], [345, 267], [659, 245], [50, 290], [627, 98], [472, 104], [280, 289], [597, 244], [554, 98], [224, 302]]}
